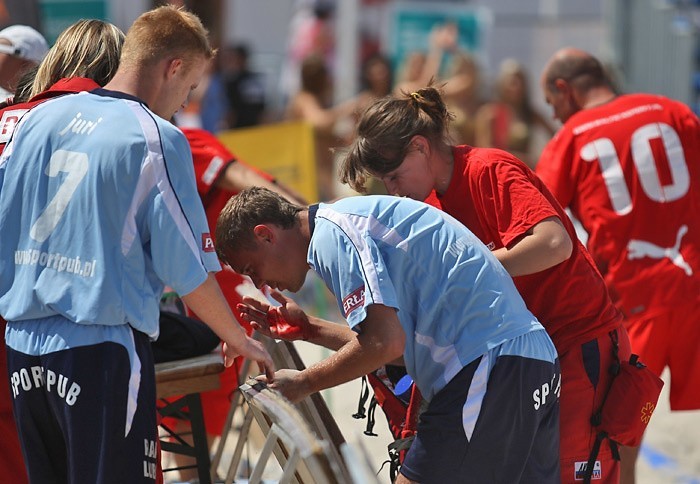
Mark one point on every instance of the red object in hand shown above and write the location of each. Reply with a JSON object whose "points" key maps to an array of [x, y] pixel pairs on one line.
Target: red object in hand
{"points": [[284, 329]]}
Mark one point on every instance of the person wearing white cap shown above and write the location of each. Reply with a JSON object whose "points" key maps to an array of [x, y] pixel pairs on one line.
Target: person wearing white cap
{"points": [[21, 47]]}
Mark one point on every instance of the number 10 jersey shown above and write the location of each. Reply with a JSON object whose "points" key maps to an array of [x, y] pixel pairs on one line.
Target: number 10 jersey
{"points": [[630, 172]]}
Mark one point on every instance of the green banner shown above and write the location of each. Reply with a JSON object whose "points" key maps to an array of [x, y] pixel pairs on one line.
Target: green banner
{"points": [[56, 15], [412, 22]]}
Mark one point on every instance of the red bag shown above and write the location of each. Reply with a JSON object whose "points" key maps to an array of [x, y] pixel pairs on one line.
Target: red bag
{"points": [[627, 407], [401, 411], [630, 402]]}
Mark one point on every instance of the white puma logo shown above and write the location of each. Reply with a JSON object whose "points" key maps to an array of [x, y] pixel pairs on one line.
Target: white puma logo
{"points": [[636, 249]]}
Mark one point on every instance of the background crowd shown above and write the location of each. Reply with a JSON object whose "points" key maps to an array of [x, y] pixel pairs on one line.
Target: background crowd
{"points": [[489, 111]]}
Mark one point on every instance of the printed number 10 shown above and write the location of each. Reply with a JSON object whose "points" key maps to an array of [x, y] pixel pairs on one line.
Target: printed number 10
{"points": [[604, 152]]}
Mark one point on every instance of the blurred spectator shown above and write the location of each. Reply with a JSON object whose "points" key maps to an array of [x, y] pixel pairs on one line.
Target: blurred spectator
{"points": [[373, 16], [21, 47], [411, 73], [244, 88], [315, 35], [459, 89], [207, 105], [461, 94], [23, 88], [213, 107], [510, 121], [312, 103], [419, 68], [310, 33], [377, 81]]}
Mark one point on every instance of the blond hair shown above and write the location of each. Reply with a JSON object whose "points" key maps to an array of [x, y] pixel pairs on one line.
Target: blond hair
{"points": [[88, 48], [165, 32]]}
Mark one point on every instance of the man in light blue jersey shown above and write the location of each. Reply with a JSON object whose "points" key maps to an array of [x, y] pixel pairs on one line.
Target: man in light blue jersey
{"points": [[412, 283], [98, 210]]}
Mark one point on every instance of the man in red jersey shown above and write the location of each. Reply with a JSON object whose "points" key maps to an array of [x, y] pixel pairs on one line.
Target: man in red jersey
{"points": [[220, 175], [627, 167]]}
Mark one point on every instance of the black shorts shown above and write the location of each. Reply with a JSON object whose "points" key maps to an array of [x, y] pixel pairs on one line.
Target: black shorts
{"points": [[87, 414], [496, 428]]}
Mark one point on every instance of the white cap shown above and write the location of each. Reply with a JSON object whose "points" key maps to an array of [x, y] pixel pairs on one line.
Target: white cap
{"points": [[26, 43]]}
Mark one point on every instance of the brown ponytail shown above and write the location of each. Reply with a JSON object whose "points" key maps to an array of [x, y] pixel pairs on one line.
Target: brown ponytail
{"points": [[385, 130]]}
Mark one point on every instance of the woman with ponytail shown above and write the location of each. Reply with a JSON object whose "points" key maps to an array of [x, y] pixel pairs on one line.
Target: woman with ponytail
{"points": [[404, 142]]}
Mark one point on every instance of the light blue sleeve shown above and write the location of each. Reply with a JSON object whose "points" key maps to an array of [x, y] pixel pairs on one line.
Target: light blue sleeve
{"points": [[179, 230], [351, 267]]}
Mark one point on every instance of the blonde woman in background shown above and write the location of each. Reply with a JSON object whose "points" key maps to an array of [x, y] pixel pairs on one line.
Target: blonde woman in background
{"points": [[313, 104], [88, 48], [510, 121]]}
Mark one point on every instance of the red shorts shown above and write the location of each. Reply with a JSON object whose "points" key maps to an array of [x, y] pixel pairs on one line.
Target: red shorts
{"points": [[670, 339], [216, 403], [585, 381], [11, 460]]}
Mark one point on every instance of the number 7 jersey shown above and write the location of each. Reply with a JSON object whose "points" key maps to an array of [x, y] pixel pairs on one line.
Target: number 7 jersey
{"points": [[99, 209], [630, 172]]}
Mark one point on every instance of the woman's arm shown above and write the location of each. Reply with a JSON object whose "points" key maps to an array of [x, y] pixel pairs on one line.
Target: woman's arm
{"points": [[543, 246]]}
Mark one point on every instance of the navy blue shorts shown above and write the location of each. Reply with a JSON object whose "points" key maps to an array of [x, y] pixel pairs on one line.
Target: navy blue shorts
{"points": [[86, 414], [501, 427]]}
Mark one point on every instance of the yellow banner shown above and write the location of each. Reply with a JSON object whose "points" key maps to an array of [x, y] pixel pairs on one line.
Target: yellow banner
{"points": [[284, 150]]}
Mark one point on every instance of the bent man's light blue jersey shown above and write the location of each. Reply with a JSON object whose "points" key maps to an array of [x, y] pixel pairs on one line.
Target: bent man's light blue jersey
{"points": [[455, 301], [97, 215]]}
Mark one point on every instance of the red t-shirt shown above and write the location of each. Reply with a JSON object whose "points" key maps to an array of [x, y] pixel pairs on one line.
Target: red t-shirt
{"points": [[630, 171], [211, 158], [499, 199], [10, 115]]}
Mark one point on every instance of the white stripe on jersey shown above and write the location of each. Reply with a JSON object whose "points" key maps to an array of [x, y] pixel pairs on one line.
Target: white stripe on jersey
{"points": [[475, 397], [354, 226], [153, 171], [446, 356]]}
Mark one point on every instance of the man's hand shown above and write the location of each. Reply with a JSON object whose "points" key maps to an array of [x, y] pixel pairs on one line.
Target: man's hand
{"points": [[253, 350], [290, 383], [209, 304], [288, 321]]}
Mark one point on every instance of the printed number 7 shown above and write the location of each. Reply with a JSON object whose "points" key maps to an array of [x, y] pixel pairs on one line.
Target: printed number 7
{"points": [[75, 165]]}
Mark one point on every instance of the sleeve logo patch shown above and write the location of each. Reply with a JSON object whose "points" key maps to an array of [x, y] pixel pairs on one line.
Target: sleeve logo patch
{"points": [[207, 242], [212, 171], [353, 300]]}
